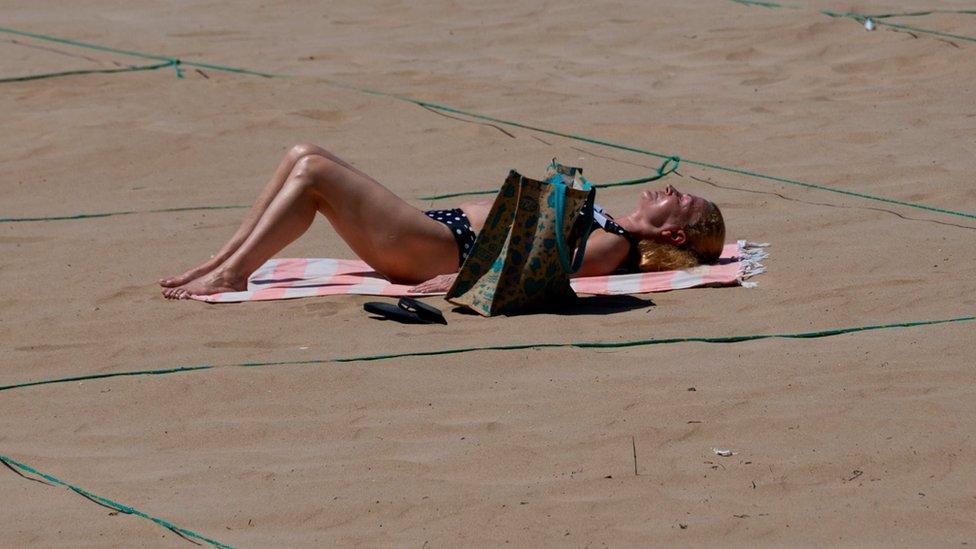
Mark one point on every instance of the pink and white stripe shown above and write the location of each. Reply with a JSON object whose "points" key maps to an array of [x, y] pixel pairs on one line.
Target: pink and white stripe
{"points": [[294, 278]]}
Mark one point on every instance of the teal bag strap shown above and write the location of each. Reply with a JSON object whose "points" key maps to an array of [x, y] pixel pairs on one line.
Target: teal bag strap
{"points": [[560, 204]]}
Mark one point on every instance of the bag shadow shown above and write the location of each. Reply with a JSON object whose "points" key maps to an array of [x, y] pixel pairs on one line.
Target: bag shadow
{"points": [[593, 305]]}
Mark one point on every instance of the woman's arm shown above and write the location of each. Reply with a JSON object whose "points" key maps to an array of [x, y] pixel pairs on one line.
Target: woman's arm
{"points": [[605, 252]]}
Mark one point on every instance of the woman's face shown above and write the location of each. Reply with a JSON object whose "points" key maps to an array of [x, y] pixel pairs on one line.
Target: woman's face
{"points": [[667, 212]]}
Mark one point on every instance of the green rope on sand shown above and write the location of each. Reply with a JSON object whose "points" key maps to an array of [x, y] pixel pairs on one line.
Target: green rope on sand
{"points": [[861, 17], [112, 214], [662, 341], [917, 13], [458, 350], [767, 4], [131, 53], [162, 371], [461, 193], [516, 124], [669, 166], [710, 165], [183, 532], [174, 63]]}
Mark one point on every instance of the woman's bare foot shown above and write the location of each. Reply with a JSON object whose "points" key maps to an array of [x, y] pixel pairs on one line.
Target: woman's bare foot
{"points": [[212, 283], [190, 275]]}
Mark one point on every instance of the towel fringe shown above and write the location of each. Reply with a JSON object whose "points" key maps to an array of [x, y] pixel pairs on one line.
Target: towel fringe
{"points": [[751, 256]]}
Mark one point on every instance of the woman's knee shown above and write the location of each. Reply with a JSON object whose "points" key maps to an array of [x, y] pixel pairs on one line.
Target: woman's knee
{"points": [[302, 150], [313, 170]]}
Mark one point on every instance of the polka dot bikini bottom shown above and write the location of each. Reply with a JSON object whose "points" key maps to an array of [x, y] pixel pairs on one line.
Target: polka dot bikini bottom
{"points": [[460, 227]]}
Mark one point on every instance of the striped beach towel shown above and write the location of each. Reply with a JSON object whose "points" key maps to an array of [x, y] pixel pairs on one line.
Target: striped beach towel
{"points": [[294, 278]]}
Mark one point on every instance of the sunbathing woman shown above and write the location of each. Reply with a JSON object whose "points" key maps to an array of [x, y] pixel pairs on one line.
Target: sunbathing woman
{"points": [[667, 230]]}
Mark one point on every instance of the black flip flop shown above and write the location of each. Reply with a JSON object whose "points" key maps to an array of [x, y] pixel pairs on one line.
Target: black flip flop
{"points": [[407, 311]]}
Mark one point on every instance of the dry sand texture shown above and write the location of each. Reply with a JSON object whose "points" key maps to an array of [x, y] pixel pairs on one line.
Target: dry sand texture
{"points": [[864, 438]]}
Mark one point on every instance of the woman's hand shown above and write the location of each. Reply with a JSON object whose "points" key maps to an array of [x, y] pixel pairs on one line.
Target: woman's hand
{"points": [[440, 283]]}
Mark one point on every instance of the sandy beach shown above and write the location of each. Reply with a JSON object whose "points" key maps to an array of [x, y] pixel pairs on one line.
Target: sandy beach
{"points": [[859, 439]]}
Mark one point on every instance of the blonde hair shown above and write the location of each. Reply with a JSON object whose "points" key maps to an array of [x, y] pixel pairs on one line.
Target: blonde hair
{"points": [[704, 240]]}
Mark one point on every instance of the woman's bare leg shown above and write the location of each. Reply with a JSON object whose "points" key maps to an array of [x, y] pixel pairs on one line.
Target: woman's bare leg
{"points": [[396, 239], [257, 210]]}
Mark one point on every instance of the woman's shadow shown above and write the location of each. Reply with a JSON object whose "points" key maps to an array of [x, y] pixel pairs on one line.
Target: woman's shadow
{"points": [[595, 305]]}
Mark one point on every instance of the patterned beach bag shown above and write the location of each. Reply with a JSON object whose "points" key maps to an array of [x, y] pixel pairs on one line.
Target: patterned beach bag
{"points": [[524, 255]]}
